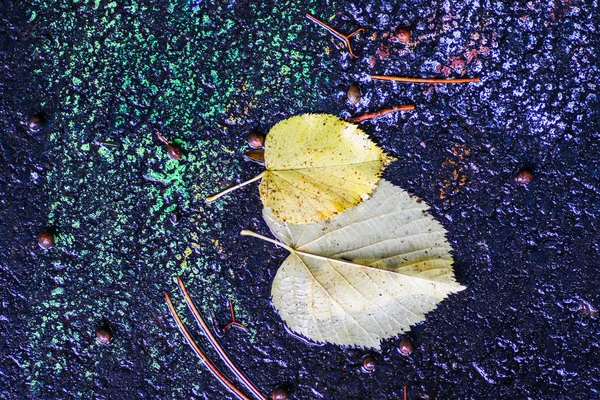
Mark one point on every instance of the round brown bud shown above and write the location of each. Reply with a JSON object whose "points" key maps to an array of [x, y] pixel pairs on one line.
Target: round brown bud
{"points": [[402, 34], [104, 334], [353, 94], [36, 121], [280, 393], [406, 346], [523, 177], [46, 240], [255, 139], [369, 363]]}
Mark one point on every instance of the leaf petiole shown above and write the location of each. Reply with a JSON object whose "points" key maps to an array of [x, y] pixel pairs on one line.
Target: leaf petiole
{"points": [[266, 239], [297, 252], [212, 198]]}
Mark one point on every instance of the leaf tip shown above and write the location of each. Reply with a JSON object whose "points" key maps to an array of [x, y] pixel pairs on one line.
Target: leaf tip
{"points": [[387, 159]]}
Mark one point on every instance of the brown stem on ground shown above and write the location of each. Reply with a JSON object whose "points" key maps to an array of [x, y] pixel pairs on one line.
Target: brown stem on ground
{"points": [[337, 34], [211, 367], [233, 320], [213, 340], [423, 80], [381, 113], [162, 139]]}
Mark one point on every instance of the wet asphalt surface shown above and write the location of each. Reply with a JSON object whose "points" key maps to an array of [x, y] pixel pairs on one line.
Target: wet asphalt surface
{"points": [[526, 327]]}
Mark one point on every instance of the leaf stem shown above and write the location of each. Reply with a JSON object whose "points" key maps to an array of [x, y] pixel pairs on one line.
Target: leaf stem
{"points": [[266, 239], [212, 198], [424, 80]]}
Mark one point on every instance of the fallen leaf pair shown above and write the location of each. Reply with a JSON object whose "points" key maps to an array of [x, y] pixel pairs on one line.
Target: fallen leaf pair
{"points": [[357, 273]]}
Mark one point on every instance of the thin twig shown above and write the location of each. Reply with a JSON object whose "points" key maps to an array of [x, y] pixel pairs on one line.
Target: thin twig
{"points": [[233, 320], [381, 113], [211, 338], [337, 34], [107, 145], [424, 80], [211, 367]]}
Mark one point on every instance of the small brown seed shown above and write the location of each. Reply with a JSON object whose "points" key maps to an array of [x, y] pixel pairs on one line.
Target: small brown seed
{"points": [[406, 346], [174, 151], [402, 34], [258, 156], [369, 363], [280, 393], [353, 94], [256, 139], [46, 240], [523, 177], [175, 217], [104, 334], [36, 121]]}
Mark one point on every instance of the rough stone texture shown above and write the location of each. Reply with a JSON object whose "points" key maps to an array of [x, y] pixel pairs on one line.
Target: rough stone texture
{"points": [[204, 76]]}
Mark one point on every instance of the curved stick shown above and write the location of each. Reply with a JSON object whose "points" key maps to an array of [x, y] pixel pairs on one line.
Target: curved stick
{"points": [[211, 367], [211, 338]]}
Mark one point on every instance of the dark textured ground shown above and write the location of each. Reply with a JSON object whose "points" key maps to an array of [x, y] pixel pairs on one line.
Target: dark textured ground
{"points": [[205, 75]]}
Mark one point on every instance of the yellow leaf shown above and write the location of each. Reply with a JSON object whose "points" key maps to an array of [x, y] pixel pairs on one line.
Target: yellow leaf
{"points": [[317, 166], [365, 275]]}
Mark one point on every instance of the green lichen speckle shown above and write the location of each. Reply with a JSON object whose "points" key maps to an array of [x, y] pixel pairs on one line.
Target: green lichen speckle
{"points": [[118, 74]]}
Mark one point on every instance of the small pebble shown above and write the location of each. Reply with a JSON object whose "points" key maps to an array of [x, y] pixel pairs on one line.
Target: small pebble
{"points": [[46, 240], [280, 393], [255, 139], [104, 334], [353, 94], [174, 151], [36, 121], [406, 346], [523, 177], [369, 363], [402, 34]]}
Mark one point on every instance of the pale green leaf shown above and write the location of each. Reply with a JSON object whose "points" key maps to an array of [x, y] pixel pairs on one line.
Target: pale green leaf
{"points": [[365, 275]]}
